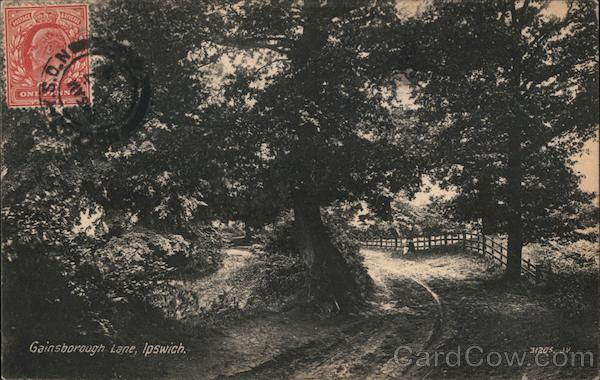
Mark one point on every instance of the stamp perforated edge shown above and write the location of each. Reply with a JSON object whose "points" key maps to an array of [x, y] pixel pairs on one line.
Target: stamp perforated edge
{"points": [[3, 43]]}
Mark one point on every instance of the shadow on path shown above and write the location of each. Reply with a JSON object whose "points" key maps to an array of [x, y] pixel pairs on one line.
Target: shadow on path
{"points": [[425, 303]]}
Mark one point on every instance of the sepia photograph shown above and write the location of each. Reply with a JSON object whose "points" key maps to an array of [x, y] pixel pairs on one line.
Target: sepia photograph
{"points": [[300, 189]]}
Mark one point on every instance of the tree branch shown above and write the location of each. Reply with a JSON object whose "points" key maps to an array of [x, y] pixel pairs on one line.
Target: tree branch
{"points": [[254, 43], [269, 64]]}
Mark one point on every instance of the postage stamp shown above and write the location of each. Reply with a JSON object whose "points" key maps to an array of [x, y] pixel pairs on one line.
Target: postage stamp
{"points": [[33, 35]]}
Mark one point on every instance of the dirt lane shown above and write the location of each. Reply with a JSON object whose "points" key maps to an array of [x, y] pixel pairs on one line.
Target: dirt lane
{"points": [[427, 303], [403, 312]]}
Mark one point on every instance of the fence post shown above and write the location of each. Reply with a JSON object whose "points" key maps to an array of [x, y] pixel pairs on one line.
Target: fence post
{"points": [[445, 239], [538, 274], [395, 243], [381, 242], [484, 245], [429, 241], [464, 241]]}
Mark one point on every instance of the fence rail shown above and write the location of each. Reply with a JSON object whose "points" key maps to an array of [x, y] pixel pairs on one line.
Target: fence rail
{"points": [[471, 242]]}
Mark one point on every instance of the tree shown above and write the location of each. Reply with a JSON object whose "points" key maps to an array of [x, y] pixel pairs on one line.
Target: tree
{"points": [[317, 106], [300, 113], [161, 176], [509, 92]]}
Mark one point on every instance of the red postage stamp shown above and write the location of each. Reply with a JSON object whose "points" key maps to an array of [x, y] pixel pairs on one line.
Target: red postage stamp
{"points": [[32, 36]]}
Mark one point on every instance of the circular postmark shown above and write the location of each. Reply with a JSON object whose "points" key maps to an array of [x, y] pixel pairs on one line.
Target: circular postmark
{"points": [[95, 90]]}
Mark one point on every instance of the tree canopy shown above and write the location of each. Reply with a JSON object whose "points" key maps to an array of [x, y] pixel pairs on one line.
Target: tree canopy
{"points": [[509, 92]]}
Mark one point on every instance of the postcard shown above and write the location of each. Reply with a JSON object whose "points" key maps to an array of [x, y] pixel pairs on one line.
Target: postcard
{"points": [[299, 189]]}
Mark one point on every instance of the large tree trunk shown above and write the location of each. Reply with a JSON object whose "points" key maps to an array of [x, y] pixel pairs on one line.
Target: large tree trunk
{"points": [[330, 278], [514, 220]]}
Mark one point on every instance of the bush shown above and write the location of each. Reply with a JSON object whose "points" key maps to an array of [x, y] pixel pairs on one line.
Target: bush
{"points": [[41, 301], [278, 276], [284, 270], [132, 264], [572, 276], [280, 240], [280, 270], [95, 288], [62, 285], [344, 237]]}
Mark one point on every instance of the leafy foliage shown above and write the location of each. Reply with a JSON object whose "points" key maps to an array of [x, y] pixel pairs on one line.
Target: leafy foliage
{"points": [[573, 278], [278, 276], [148, 255], [95, 282], [502, 73], [410, 220], [279, 239], [281, 257]]}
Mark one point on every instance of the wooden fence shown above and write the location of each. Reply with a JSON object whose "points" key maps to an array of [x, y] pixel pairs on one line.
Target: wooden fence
{"points": [[476, 243]]}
